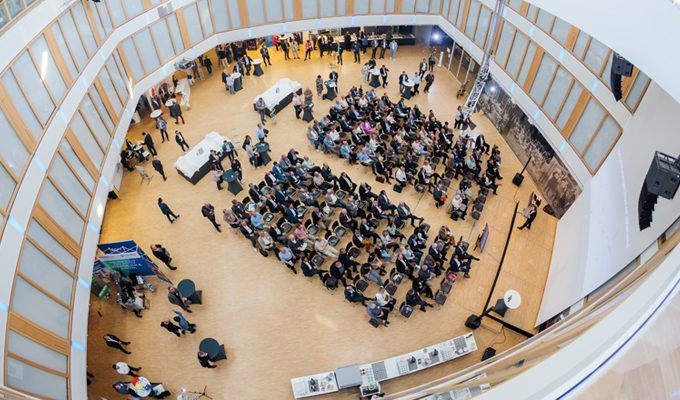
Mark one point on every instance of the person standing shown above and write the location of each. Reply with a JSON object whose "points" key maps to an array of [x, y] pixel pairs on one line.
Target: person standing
{"points": [[163, 126], [208, 65], [422, 68], [356, 47], [172, 328], [530, 218], [393, 49], [204, 359], [340, 50], [148, 141], [116, 343], [175, 297], [183, 323], [383, 47], [319, 85], [216, 176], [124, 369], [308, 50], [374, 45], [179, 138], [322, 41], [285, 47], [416, 83], [208, 211], [158, 166], [383, 74], [166, 211], [229, 80], [294, 49], [260, 105], [265, 55], [429, 79], [431, 61], [162, 254]]}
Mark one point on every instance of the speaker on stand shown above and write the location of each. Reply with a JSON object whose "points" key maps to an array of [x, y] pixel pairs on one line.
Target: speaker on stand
{"points": [[517, 180]]}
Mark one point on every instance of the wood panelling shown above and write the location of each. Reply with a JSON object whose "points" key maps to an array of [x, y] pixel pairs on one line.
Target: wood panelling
{"points": [[37, 333], [535, 63], [182, 29], [107, 103], [93, 25], [55, 230], [126, 66], [81, 153], [297, 9], [243, 11], [466, 11], [571, 38], [627, 83], [397, 6], [58, 57], [576, 113], [15, 119], [147, 4]]}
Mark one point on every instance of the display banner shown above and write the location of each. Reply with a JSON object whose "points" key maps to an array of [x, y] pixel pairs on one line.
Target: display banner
{"points": [[128, 258]]}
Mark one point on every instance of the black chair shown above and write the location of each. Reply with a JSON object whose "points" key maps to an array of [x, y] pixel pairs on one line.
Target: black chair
{"points": [[479, 207], [480, 200], [405, 310], [268, 217], [360, 284], [261, 185], [374, 223], [330, 284], [399, 223], [318, 260], [300, 208], [291, 191], [340, 194], [315, 193], [338, 230], [354, 252], [420, 189], [440, 298], [445, 286], [390, 288], [395, 276], [361, 204]]}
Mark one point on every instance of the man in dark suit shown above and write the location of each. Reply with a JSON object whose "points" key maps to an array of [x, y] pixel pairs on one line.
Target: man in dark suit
{"points": [[382, 169], [403, 267], [346, 183], [481, 144], [457, 265], [530, 218], [116, 343], [365, 192], [367, 230], [292, 214], [270, 179], [156, 163], [385, 202], [405, 213], [413, 299], [250, 233], [341, 273], [265, 55], [439, 195], [255, 194], [273, 205], [347, 221], [353, 296], [162, 254], [208, 211], [282, 197], [344, 125], [148, 141], [215, 159]]}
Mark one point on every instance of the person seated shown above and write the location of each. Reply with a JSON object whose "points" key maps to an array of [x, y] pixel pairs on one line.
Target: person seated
{"points": [[424, 180], [489, 183], [230, 218], [322, 246], [344, 125], [365, 160], [277, 234], [385, 203], [347, 221], [307, 199], [459, 204], [296, 182], [330, 145], [353, 296], [309, 165], [404, 267], [328, 174], [256, 220], [340, 272], [346, 183], [367, 230], [347, 260], [463, 254], [279, 173], [239, 209], [439, 195], [334, 135], [288, 258], [388, 242], [333, 201], [270, 179], [309, 269], [378, 212], [404, 213], [249, 233], [464, 189], [368, 273], [382, 169], [346, 152], [439, 256], [365, 192], [266, 242], [413, 299], [392, 229], [320, 182], [354, 114], [456, 265], [282, 197], [353, 209], [292, 215], [273, 205], [298, 246], [411, 255], [357, 138], [340, 108], [420, 287], [360, 240]]}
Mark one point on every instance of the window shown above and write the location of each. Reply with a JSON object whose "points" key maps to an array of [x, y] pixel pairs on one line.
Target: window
{"points": [[636, 90], [95, 122], [482, 26], [117, 12], [361, 7], [39, 308], [64, 49], [194, 22], [581, 44], [516, 54], [422, 6], [33, 86], [596, 55], [176, 34], [544, 20], [45, 273], [289, 9], [327, 7], [472, 18], [544, 75], [103, 31], [234, 15], [133, 58], [50, 245], [507, 33], [204, 11], [87, 140], [35, 352], [408, 6], [70, 185], [148, 52], [7, 184], [13, 151], [560, 30], [607, 71], [73, 39], [526, 64], [515, 4], [103, 112], [569, 105], [110, 90], [84, 28], [531, 12], [21, 104], [587, 126], [601, 143], [49, 72], [161, 35], [119, 82], [256, 11], [435, 6], [220, 16], [77, 165], [34, 380], [61, 211], [309, 9], [342, 6], [133, 7], [557, 93]]}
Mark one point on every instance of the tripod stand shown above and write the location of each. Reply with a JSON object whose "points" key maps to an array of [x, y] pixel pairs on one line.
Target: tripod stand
{"points": [[200, 394]]}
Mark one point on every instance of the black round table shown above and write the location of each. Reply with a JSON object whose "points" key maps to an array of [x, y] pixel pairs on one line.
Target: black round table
{"points": [[407, 90], [214, 350], [263, 150], [231, 177], [188, 289], [237, 81], [330, 90], [308, 116], [375, 78], [258, 67]]}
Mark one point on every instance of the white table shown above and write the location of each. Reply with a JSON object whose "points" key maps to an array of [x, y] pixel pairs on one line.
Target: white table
{"points": [[279, 95], [184, 89], [195, 164], [326, 383]]}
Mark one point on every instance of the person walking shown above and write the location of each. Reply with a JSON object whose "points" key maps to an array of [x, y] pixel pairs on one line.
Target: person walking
{"points": [[383, 74], [429, 78], [319, 85], [158, 166], [285, 47], [383, 47], [260, 105], [148, 141], [356, 47], [265, 55], [183, 323], [163, 126], [179, 138], [166, 211], [530, 218], [208, 211], [208, 65], [124, 369], [172, 328], [431, 61], [116, 343], [175, 297], [162, 254], [393, 49]]}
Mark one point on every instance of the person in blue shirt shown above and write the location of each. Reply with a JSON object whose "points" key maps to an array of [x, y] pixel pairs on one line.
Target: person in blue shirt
{"points": [[167, 211], [256, 220], [347, 153], [122, 387], [292, 215], [282, 197], [356, 47], [365, 160], [183, 323], [330, 144], [288, 258]]}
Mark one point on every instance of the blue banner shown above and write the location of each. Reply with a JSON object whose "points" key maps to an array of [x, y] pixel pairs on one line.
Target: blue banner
{"points": [[127, 258]]}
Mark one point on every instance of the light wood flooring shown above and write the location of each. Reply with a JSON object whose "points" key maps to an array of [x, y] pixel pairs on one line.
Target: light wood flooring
{"points": [[275, 325]]}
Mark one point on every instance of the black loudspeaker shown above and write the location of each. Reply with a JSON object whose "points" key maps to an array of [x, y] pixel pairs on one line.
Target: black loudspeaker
{"points": [[621, 66], [646, 207], [663, 177], [488, 353], [473, 322], [615, 82], [517, 180]]}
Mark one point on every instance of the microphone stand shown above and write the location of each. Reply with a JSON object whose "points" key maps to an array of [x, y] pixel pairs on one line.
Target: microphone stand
{"points": [[200, 394]]}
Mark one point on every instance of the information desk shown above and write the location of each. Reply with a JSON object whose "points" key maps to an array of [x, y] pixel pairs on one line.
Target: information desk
{"points": [[397, 366], [279, 95], [314, 385]]}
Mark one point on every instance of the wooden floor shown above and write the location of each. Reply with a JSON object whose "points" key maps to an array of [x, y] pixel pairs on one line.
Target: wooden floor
{"points": [[276, 325]]}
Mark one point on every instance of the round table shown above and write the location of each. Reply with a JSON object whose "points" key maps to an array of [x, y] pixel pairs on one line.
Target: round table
{"points": [[407, 89], [214, 350], [258, 67], [308, 116], [231, 177], [156, 113], [263, 150], [188, 289], [330, 90], [143, 387], [237, 81], [375, 77]]}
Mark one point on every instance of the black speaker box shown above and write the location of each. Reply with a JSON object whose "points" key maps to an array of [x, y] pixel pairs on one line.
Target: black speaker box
{"points": [[517, 180], [663, 177], [621, 66], [473, 322], [646, 207]]}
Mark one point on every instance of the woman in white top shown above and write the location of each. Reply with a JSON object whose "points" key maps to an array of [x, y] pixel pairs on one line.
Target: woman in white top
{"points": [[294, 49], [385, 300], [425, 137]]}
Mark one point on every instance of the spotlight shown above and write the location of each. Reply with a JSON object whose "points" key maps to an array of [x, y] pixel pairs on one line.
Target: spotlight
{"points": [[436, 36], [492, 89]]}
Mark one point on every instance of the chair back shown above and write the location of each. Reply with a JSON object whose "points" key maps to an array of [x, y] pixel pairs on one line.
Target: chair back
{"points": [[391, 289], [361, 285], [405, 310], [446, 287], [440, 298]]}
